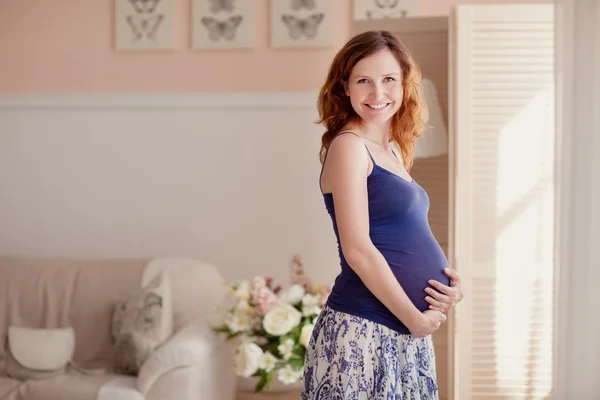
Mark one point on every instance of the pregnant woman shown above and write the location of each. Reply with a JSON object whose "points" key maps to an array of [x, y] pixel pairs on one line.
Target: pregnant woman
{"points": [[372, 339]]}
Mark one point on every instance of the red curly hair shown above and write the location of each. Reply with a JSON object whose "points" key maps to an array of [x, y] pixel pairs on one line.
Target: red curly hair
{"points": [[335, 109]]}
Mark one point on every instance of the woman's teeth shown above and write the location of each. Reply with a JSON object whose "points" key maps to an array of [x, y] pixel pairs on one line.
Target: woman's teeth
{"points": [[377, 106]]}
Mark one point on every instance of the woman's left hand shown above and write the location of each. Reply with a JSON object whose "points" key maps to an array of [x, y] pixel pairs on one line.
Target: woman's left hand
{"points": [[445, 297]]}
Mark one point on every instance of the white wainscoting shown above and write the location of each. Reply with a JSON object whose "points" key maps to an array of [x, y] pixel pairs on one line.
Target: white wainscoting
{"points": [[231, 179]]}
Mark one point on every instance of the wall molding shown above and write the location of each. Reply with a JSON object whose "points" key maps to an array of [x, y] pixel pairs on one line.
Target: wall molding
{"points": [[144, 175], [160, 100]]}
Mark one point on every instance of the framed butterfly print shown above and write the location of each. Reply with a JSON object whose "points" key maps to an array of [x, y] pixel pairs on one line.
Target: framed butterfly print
{"points": [[301, 23], [222, 24], [382, 9], [144, 24]]}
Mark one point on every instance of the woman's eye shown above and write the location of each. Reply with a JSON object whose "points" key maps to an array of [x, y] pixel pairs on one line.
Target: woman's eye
{"points": [[389, 79], [362, 80]]}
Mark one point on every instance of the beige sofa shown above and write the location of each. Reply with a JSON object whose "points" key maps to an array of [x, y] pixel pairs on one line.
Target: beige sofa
{"points": [[193, 363]]}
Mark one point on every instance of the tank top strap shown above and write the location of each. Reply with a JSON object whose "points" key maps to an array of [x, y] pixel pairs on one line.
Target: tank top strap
{"points": [[368, 151], [327, 152]]}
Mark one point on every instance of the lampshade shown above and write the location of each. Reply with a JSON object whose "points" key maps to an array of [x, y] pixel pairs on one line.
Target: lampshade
{"points": [[434, 138]]}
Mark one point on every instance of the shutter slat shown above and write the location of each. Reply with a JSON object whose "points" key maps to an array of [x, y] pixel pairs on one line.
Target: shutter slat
{"points": [[503, 212]]}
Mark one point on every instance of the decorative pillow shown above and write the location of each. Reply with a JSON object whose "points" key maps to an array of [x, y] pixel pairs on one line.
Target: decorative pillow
{"points": [[38, 353], [141, 324]]}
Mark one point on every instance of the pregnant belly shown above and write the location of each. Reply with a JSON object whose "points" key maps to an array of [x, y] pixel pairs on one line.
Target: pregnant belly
{"points": [[415, 279], [413, 271]]}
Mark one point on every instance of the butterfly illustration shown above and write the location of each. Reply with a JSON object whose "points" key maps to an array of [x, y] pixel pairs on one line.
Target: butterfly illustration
{"points": [[144, 26], [144, 6], [222, 28], [377, 14], [298, 4], [303, 26], [386, 3], [221, 5]]}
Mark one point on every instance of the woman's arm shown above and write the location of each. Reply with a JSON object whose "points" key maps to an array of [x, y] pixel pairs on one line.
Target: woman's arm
{"points": [[346, 173]]}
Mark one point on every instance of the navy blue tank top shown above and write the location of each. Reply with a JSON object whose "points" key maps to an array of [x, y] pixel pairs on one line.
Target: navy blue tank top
{"points": [[399, 229]]}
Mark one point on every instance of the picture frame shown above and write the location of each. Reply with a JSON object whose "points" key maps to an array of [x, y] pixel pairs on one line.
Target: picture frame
{"points": [[222, 24], [385, 9], [144, 24], [301, 23]]}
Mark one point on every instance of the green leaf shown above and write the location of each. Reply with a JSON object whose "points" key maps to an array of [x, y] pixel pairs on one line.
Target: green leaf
{"points": [[266, 379], [286, 336], [232, 335], [272, 348], [261, 383], [270, 376], [296, 363]]}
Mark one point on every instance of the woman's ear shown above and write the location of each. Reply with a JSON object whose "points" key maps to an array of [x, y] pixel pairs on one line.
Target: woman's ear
{"points": [[345, 86]]}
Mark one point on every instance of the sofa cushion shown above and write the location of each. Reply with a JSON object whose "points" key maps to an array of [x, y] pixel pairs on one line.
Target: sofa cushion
{"points": [[199, 288], [38, 353], [141, 324], [55, 293]]}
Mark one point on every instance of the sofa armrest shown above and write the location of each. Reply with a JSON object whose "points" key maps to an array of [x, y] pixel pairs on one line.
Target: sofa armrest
{"points": [[195, 345], [179, 383]]}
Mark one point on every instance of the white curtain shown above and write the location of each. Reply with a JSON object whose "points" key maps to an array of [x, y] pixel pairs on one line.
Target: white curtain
{"points": [[577, 344]]}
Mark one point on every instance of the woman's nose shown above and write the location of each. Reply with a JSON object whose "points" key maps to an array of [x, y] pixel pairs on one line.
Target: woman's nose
{"points": [[377, 91]]}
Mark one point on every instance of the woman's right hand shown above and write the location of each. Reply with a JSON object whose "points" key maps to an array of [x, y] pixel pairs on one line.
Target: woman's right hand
{"points": [[429, 322]]}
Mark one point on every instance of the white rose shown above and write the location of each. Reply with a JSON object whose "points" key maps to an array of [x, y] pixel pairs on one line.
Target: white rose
{"points": [[293, 295], [241, 318], [281, 319], [238, 321], [310, 305], [244, 307], [286, 349], [306, 334], [287, 375], [247, 359], [243, 291], [268, 362]]}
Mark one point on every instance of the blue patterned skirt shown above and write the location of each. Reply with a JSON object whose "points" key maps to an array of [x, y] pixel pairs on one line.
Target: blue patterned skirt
{"points": [[352, 358]]}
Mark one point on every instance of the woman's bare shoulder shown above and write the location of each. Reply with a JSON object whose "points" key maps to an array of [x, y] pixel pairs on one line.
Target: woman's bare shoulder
{"points": [[347, 161], [346, 145]]}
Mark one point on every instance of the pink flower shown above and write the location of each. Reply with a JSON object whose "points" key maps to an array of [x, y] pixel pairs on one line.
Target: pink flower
{"points": [[265, 301], [268, 281], [263, 298], [297, 275], [258, 282]]}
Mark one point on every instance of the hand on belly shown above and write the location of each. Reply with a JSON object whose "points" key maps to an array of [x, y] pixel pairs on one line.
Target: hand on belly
{"points": [[415, 281], [442, 297]]}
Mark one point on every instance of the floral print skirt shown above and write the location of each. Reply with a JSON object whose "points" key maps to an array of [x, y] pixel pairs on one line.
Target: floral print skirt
{"points": [[352, 358]]}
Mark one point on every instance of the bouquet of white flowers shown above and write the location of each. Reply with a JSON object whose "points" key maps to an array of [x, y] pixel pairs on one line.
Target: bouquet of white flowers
{"points": [[271, 325]]}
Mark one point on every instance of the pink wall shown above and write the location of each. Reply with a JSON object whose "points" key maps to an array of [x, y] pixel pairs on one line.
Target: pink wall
{"points": [[67, 46]]}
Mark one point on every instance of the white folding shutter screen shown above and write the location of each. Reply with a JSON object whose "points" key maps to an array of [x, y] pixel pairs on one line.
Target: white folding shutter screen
{"points": [[502, 210]]}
